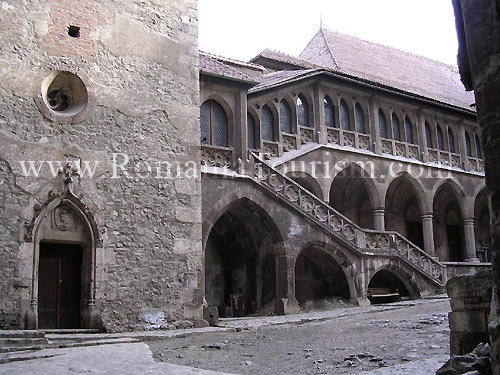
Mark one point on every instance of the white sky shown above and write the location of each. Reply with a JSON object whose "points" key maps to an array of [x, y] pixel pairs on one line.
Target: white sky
{"points": [[243, 28]]}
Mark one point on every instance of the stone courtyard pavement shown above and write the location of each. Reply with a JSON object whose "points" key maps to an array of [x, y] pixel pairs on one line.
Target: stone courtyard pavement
{"points": [[403, 338]]}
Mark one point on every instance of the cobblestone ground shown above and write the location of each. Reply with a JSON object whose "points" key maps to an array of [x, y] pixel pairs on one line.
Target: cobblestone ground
{"points": [[409, 338]]}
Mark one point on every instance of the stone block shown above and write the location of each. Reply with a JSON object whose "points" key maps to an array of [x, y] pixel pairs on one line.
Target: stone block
{"points": [[468, 321], [211, 315]]}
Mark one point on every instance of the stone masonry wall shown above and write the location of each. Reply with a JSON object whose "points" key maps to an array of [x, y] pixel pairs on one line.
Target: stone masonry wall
{"points": [[139, 62]]}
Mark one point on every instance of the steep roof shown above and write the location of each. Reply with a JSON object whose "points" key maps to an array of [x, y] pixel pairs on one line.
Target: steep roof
{"points": [[219, 66], [388, 66]]}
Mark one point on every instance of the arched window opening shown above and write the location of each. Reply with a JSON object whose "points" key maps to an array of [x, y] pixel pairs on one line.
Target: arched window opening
{"points": [[396, 134], [440, 139], [359, 118], [267, 124], [428, 135], [213, 124], [409, 130], [468, 145], [251, 133], [382, 124], [329, 109], [478, 147], [344, 115], [302, 111], [451, 141], [285, 117]]}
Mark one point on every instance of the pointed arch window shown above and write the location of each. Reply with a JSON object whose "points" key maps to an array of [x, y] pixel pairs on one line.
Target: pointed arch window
{"points": [[251, 133], [267, 124], [468, 145], [359, 118], [396, 133], [478, 147], [344, 115], [409, 130], [329, 109], [440, 138], [213, 124], [302, 111], [382, 124], [451, 141], [285, 117], [428, 135]]}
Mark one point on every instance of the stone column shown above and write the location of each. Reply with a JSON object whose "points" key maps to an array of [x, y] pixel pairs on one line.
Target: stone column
{"points": [[470, 241], [374, 126], [286, 303], [421, 136], [379, 218], [428, 229]]}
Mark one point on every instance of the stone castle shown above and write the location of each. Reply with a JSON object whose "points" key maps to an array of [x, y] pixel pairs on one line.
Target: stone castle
{"points": [[143, 182]]}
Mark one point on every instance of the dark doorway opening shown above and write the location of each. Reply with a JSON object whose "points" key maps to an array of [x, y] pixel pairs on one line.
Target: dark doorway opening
{"points": [[415, 233], [454, 245], [385, 287], [59, 286]]}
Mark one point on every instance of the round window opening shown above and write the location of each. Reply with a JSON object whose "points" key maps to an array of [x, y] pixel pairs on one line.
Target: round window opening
{"points": [[64, 93]]}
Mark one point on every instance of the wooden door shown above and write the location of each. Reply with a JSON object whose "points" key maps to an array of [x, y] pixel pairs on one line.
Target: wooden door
{"points": [[59, 286]]}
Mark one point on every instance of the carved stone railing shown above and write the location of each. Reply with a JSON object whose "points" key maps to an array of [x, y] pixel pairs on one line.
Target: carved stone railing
{"points": [[476, 165], [395, 242], [270, 149], [445, 158], [401, 149], [348, 138], [387, 243], [306, 135], [217, 156], [305, 201]]}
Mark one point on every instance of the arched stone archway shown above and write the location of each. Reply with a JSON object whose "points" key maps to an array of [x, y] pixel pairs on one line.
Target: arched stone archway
{"points": [[353, 194], [403, 210], [307, 182], [242, 258], [448, 225], [482, 227], [320, 276], [391, 284]]}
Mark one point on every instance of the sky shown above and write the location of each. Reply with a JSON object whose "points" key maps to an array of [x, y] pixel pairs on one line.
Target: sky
{"points": [[241, 29]]}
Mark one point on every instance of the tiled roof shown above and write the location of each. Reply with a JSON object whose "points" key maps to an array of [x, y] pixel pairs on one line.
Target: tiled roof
{"points": [[221, 67], [388, 66]]}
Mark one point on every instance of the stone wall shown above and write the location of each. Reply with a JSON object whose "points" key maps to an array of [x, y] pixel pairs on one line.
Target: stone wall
{"points": [[470, 305], [139, 65]]}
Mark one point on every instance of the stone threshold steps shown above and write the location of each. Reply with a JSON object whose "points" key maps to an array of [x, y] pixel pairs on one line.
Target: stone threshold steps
{"points": [[27, 345]]}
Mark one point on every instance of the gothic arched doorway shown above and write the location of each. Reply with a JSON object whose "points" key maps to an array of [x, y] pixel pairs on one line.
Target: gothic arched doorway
{"points": [[241, 261]]}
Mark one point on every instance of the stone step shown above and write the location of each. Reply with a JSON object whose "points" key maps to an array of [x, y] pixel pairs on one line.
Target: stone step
{"points": [[7, 334], [22, 342], [70, 331], [52, 348]]}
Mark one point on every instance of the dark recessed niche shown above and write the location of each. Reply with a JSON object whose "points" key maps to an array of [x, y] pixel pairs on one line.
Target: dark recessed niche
{"points": [[74, 31]]}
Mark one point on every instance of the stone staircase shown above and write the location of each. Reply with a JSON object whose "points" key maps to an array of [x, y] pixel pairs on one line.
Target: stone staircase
{"points": [[360, 240], [24, 345]]}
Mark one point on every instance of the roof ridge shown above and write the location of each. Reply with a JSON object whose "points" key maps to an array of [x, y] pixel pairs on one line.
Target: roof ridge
{"points": [[231, 60], [322, 31], [390, 47]]}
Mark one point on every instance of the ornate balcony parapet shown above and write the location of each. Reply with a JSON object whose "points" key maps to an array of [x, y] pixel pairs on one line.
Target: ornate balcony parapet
{"points": [[401, 149], [448, 159], [476, 165], [363, 240], [217, 156], [289, 142], [306, 135], [270, 149], [348, 138]]}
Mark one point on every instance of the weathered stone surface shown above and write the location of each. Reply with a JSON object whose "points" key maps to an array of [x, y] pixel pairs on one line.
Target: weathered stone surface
{"points": [[139, 65]]}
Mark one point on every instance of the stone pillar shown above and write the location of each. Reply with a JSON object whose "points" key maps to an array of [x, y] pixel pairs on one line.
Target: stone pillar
{"points": [[428, 229], [421, 136], [318, 116], [470, 241], [286, 303], [374, 126], [378, 218]]}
